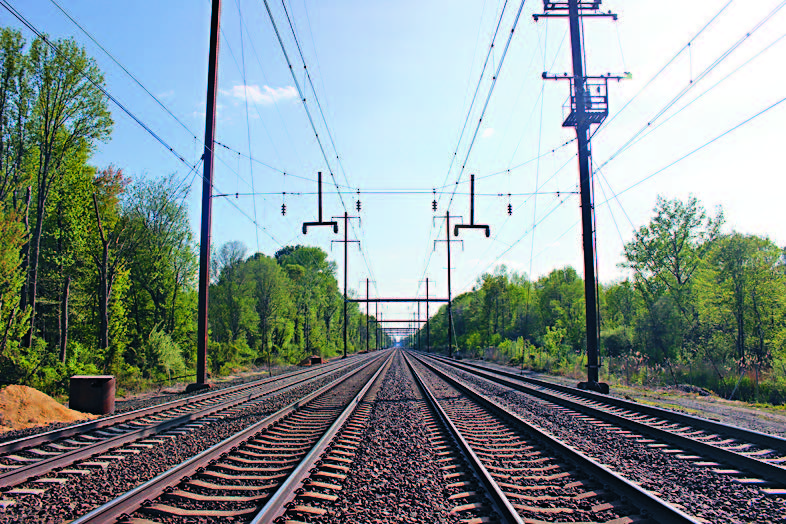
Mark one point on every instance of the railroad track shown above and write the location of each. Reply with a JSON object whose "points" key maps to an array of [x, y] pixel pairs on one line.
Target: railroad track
{"points": [[132, 432], [726, 449], [537, 475], [467, 493], [257, 466]]}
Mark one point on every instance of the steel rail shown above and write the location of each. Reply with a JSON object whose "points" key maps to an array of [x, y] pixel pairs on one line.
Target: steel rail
{"points": [[131, 501], [759, 467], [23, 473], [754, 437], [649, 504], [502, 505], [275, 505], [104, 422]]}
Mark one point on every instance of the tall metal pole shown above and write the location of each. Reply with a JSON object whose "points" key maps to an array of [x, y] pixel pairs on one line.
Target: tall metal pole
{"points": [[419, 326], [428, 329], [207, 194], [376, 331], [367, 317], [450, 299], [587, 226], [346, 243]]}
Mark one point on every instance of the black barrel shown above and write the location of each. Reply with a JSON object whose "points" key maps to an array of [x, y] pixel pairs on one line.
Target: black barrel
{"points": [[92, 394]]}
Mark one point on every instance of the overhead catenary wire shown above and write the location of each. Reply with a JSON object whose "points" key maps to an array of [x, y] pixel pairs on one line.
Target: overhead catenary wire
{"points": [[330, 137], [691, 85], [309, 116], [489, 95], [485, 107], [158, 100], [608, 121], [248, 120]]}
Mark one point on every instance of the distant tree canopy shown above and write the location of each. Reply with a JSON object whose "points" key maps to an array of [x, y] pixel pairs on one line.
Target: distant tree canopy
{"points": [[98, 269], [700, 306]]}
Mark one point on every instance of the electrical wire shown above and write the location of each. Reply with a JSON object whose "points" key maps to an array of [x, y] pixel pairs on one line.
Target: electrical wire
{"points": [[720, 59], [608, 121]]}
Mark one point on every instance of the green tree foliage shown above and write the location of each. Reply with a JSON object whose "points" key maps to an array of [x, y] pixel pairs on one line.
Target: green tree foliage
{"points": [[69, 116], [700, 307]]}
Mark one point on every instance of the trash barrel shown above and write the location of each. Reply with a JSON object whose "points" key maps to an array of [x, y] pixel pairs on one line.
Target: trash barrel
{"points": [[92, 394]]}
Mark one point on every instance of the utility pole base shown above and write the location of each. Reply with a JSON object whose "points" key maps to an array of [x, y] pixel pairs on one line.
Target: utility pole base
{"points": [[597, 387], [197, 386]]}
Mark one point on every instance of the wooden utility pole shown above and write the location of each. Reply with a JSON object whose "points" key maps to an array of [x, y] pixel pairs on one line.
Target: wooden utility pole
{"points": [[207, 198]]}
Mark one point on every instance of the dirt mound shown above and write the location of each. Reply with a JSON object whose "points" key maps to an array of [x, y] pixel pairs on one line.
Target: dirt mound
{"points": [[23, 407]]}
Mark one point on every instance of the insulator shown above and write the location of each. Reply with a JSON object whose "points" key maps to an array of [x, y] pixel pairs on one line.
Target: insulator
{"points": [[357, 205], [283, 209], [510, 209], [433, 205]]}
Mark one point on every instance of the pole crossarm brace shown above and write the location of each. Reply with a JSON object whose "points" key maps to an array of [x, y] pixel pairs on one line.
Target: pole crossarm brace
{"points": [[613, 16], [472, 224], [565, 76], [411, 300], [319, 222]]}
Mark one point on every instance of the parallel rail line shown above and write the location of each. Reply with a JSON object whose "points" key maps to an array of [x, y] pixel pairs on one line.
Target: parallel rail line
{"points": [[749, 451], [61, 448], [236, 476], [518, 474]]}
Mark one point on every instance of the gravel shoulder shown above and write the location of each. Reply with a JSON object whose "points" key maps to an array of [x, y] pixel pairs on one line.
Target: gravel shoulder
{"points": [[766, 419]]}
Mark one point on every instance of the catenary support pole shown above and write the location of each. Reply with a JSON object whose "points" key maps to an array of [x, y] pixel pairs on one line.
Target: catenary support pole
{"points": [[450, 297], [346, 261], [368, 335], [428, 329], [207, 194], [585, 180]]}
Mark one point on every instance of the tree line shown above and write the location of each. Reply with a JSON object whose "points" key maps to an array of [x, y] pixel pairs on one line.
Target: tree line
{"points": [[701, 307], [98, 268]]}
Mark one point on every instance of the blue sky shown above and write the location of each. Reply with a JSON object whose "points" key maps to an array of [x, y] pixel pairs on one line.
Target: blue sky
{"points": [[395, 80]]}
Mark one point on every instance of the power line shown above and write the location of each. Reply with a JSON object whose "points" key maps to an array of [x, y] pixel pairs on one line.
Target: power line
{"points": [[607, 122], [704, 145], [723, 56], [490, 93]]}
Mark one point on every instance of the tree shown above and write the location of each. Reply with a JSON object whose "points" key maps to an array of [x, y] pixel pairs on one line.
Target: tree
{"points": [[273, 301], [665, 256], [164, 262], [69, 115], [744, 291], [232, 315], [113, 242], [13, 318]]}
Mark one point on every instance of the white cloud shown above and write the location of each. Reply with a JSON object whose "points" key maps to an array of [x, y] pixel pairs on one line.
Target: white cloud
{"points": [[489, 131], [265, 95]]}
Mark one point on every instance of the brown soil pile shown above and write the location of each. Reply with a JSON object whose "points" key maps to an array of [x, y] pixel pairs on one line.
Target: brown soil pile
{"points": [[23, 407]]}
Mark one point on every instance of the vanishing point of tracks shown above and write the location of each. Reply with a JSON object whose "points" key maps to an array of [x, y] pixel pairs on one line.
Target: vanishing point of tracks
{"points": [[404, 438]]}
